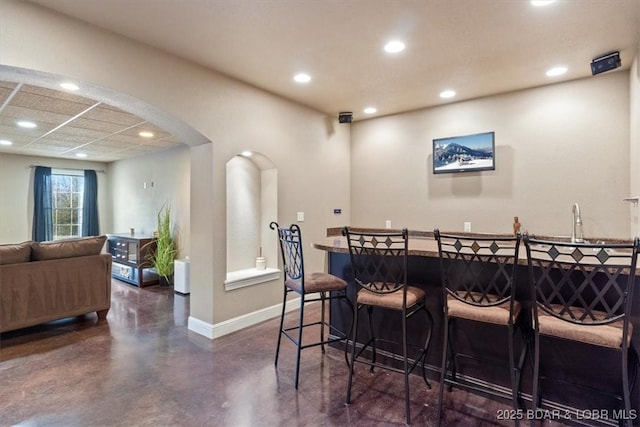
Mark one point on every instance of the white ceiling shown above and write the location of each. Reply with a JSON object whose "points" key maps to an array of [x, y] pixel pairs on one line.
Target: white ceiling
{"points": [[475, 47]]}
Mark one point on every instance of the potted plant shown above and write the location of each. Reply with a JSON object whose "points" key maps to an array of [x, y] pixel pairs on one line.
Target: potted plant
{"points": [[165, 253]]}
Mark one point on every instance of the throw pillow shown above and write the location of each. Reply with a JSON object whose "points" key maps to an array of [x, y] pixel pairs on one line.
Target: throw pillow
{"points": [[68, 248]]}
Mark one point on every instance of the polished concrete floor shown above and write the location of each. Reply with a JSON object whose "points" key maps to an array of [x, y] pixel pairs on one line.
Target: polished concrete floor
{"points": [[142, 367]]}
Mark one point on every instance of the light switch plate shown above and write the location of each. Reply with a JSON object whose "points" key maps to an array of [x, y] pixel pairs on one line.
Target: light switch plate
{"points": [[467, 227], [300, 216]]}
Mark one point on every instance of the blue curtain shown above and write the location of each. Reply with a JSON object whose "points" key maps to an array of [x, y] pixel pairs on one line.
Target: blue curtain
{"points": [[90, 224], [42, 205]]}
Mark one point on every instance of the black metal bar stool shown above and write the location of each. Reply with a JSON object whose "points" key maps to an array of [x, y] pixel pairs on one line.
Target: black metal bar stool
{"points": [[582, 293], [311, 287], [379, 262], [478, 275]]}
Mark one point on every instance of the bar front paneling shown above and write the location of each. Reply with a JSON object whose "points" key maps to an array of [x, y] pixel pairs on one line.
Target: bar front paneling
{"points": [[564, 361]]}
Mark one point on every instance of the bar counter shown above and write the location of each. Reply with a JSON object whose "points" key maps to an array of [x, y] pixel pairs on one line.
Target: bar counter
{"points": [[423, 243], [562, 360]]}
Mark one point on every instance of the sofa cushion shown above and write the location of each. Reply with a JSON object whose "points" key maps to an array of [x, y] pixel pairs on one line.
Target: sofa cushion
{"points": [[15, 253], [67, 248]]}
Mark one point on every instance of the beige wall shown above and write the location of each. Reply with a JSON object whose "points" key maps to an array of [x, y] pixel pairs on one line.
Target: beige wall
{"points": [[141, 186], [634, 152], [16, 193], [232, 115], [555, 145]]}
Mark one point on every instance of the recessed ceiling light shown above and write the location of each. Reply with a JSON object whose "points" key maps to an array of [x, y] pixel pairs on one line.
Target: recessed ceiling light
{"points": [[246, 153], [447, 93], [26, 124], [394, 46], [83, 155], [5, 142], [556, 71], [145, 134], [69, 86], [302, 78], [541, 2], [370, 110]]}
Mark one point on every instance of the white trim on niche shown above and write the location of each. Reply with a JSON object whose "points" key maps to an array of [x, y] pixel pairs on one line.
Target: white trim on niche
{"points": [[232, 325], [248, 277]]}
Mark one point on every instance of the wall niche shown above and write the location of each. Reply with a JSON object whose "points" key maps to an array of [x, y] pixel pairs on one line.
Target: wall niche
{"points": [[252, 203]]}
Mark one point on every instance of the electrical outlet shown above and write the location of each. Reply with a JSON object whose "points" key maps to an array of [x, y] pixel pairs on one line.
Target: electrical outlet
{"points": [[300, 216], [387, 223], [467, 227]]}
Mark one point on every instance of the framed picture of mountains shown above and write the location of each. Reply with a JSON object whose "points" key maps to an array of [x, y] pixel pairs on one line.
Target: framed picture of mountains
{"points": [[467, 153]]}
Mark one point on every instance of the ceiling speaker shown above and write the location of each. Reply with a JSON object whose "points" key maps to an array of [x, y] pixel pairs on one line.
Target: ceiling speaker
{"points": [[606, 62], [345, 117]]}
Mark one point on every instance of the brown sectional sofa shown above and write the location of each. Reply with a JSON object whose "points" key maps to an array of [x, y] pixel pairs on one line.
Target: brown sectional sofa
{"points": [[41, 282]]}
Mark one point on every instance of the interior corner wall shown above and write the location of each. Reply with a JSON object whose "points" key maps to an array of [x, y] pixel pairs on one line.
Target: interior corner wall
{"points": [[634, 151], [232, 115], [555, 145], [16, 193], [142, 185]]}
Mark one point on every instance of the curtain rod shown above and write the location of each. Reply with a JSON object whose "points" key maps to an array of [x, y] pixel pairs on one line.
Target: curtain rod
{"points": [[66, 169]]}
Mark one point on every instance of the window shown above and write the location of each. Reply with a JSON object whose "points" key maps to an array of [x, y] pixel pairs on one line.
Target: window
{"points": [[68, 190]]}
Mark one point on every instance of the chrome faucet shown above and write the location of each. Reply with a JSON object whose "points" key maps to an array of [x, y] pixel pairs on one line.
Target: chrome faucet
{"points": [[576, 229]]}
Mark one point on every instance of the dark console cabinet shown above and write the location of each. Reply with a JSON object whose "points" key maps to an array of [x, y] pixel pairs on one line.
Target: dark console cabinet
{"points": [[131, 259]]}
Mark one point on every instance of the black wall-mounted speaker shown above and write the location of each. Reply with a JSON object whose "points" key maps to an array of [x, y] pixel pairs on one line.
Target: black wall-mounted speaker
{"points": [[606, 62], [345, 117]]}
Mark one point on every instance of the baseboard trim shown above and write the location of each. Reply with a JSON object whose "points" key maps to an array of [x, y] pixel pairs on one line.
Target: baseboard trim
{"points": [[217, 330]]}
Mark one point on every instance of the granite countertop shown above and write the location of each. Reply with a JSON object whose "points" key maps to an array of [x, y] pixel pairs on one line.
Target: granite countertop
{"points": [[423, 243]]}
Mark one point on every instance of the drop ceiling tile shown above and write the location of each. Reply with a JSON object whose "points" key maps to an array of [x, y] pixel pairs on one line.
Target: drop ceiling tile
{"points": [[46, 147], [56, 95], [14, 135], [90, 134], [76, 139], [103, 132], [108, 114], [107, 127], [58, 142], [8, 85], [99, 148], [163, 143], [12, 146], [48, 104], [6, 89], [157, 132], [44, 119], [113, 144], [129, 139]]}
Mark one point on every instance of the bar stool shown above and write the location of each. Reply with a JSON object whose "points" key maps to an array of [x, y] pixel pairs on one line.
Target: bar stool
{"points": [[311, 287], [582, 293], [478, 276], [379, 263]]}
